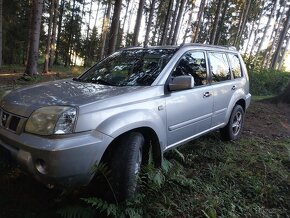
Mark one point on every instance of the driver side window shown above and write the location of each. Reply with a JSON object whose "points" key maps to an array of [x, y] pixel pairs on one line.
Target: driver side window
{"points": [[194, 64]]}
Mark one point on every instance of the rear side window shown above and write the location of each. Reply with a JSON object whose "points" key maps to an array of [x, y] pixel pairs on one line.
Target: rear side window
{"points": [[235, 65], [219, 67]]}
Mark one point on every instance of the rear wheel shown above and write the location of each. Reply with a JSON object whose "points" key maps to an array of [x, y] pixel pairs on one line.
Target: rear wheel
{"points": [[233, 129]]}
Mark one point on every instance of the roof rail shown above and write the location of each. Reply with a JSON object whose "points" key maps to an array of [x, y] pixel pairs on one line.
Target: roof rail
{"points": [[208, 45]]}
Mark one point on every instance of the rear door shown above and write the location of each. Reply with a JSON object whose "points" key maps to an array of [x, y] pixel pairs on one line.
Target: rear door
{"points": [[222, 84], [189, 112]]}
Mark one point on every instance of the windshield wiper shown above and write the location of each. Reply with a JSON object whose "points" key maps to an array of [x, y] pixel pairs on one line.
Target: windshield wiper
{"points": [[102, 82]]}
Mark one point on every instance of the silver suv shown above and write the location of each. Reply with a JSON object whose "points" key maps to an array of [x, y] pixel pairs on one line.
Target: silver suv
{"points": [[136, 100]]}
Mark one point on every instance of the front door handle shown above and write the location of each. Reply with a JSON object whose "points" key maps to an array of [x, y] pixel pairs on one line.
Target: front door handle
{"points": [[206, 94], [234, 88]]}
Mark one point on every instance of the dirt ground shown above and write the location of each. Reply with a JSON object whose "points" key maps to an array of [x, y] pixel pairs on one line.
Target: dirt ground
{"points": [[22, 196]]}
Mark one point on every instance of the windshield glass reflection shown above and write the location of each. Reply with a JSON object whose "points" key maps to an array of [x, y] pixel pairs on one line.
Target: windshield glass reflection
{"points": [[134, 67]]}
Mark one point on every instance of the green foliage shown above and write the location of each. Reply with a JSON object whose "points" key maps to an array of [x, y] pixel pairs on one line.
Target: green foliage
{"points": [[76, 212], [268, 82]]}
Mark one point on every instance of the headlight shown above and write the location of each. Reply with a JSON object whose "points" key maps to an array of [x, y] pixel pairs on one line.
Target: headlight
{"points": [[52, 120]]}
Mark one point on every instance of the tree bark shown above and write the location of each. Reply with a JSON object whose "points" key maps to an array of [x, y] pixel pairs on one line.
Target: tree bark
{"points": [[61, 10], [138, 22], [106, 22], [221, 23], [243, 20], [166, 24], [53, 34], [216, 22], [48, 42], [115, 26], [125, 18], [173, 22], [281, 40], [178, 21], [1, 17], [87, 34], [195, 33], [274, 35], [152, 7], [189, 21], [284, 53], [266, 28], [31, 67]]}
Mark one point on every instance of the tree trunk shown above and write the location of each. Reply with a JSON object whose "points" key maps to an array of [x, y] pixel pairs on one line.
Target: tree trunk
{"points": [[243, 21], [87, 35], [138, 22], [106, 22], [166, 24], [216, 22], [284, 53], [173, 22], [53, 34], [125, 19], [221, 23], [61, 10], [1, 16], [97, 13], [48, 42], [149, 24], [178, 21], [274, 35], [199, 17], [115, 26], [31, 67], [266, 28], [68, 48], [281, 40], [256, 34], [182, 20], [189, 21]]}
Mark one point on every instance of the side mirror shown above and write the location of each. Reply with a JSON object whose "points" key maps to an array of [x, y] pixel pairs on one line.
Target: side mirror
{"points": [[181, 83]]}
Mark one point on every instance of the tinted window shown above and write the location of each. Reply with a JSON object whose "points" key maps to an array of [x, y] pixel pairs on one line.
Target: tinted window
{"points": [[235, 65], [192, 63], [134, 67], [219, 67]]}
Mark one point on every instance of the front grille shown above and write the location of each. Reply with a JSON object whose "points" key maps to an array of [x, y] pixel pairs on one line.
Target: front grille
{"points": [[11, 121]]}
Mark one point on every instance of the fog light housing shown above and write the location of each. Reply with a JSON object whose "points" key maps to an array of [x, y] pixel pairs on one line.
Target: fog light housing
{"points": [[41, 166]]}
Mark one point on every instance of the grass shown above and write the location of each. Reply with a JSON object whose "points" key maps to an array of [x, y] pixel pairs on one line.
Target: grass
{"points": [[211, 178]]}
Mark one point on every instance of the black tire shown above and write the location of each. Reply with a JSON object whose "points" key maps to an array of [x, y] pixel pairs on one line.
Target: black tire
{"points": [[124, 165], [233, 130]]}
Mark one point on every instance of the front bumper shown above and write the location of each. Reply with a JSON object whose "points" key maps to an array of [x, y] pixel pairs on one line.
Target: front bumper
{"points": [[67, 160]]}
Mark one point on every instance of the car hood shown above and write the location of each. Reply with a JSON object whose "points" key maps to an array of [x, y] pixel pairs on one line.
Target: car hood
{"points": [[24, 101]]}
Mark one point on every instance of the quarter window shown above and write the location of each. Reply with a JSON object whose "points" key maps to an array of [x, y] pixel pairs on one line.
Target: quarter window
{"points": [[194, 64], [219, 67], [235, 65]]}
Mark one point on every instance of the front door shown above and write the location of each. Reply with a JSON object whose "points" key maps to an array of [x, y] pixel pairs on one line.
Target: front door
{"points": [[189, 112]]}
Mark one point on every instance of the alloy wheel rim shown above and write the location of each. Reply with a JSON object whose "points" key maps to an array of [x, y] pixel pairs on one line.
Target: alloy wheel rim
{"points": [[237, 123]]}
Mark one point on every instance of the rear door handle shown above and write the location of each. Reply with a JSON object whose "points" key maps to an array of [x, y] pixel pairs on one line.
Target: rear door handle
{"points": [[234, 88], [206, 94]]}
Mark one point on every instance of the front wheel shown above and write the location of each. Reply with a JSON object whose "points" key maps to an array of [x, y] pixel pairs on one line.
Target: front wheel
{"points": [[233, 130], [124, 164]]}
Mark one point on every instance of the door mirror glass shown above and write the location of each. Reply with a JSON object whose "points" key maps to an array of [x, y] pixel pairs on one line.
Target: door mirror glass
{"points": [[181, 83]]}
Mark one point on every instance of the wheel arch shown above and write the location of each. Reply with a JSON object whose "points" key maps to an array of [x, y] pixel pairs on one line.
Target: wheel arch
{"points": [[151, 144]]}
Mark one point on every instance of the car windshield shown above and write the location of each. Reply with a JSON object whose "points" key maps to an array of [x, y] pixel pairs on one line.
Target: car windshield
{"points": [[133, 67]]}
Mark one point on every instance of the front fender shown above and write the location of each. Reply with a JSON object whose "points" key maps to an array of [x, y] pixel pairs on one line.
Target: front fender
{"points": [[125, 121]]}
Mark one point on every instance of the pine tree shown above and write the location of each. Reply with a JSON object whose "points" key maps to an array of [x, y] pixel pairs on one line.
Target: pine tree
{"points": [[31, 67]]}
